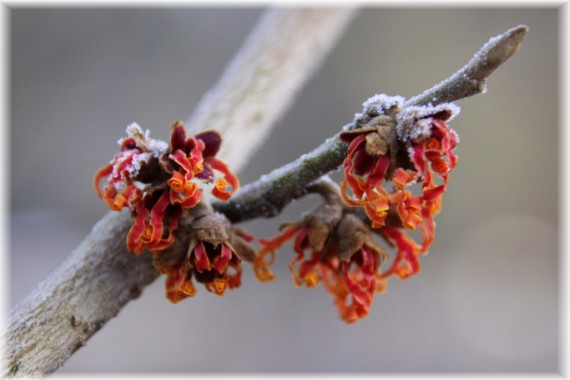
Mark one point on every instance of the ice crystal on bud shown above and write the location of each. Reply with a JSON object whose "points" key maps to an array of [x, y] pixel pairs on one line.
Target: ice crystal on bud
{"points": [[414, 123], [379, 104]]}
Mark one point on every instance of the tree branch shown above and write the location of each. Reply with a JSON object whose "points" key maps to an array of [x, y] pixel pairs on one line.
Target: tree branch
{"points": [[99, 277], [267, 196], [471, 79]]}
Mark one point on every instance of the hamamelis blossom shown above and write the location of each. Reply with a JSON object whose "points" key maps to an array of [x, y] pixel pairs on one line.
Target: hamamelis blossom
{"points": [[211, 254], [413, 146], [159, 184], [433, 160], [333, 247]]}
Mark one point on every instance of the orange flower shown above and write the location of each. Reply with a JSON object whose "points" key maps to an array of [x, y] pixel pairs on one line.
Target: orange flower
{"points": [[179, 284], [157, 183], [194, 157], [213, 258], [357, 278], [342, 255], [406, 262], [209, 264], [430, 160], [364, 173]]}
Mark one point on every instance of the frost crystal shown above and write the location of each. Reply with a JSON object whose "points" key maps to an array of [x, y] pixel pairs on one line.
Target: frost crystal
{"points": [[382, 102], [379, 104], [157, 147], [415, 122], [138, 161]]}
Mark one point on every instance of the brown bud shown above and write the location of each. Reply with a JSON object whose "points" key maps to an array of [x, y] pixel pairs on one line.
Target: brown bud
{"points": [[211, 228], [351, 234], [320, 223], [381, 120], [376, 145]]}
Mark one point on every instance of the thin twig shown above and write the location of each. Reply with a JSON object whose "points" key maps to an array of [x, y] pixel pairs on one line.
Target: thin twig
{"points": [[99, 277], [471, 79], [267, 196]]}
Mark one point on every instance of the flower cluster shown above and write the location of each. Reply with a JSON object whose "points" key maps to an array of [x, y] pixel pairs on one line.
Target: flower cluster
{"points": [[162, 186], [159, 184], [395, 174], [341, 254], [412, 150], [375, 156]]}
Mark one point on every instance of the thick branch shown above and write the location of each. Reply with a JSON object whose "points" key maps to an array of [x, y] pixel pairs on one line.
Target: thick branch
{"points": [[267, 196], [99, 277], [76, 299]]}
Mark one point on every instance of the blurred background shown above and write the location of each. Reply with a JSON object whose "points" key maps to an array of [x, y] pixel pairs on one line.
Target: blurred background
{"points": [[487, 299]]}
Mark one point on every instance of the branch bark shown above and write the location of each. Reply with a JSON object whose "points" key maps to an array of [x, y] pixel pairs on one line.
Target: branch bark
{"points": [[267, 196], [99, 277]]}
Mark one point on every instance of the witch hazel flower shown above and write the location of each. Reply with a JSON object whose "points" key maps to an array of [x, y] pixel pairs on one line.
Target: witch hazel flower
{"points": [[161, 183], [210, 252], [406, 146], [368, 157], [334, 247]]}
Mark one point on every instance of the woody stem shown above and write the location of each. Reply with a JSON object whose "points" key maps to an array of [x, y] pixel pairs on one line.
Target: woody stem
{"points": [[267, 196]]}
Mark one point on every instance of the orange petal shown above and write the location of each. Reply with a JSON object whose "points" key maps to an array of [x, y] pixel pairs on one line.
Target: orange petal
{"points": [[349, 201], [406, 262], [433, 144], [218, 286], [377, 174], [177, 181], [195, 155], [433, 193], [137, 230], [219, 190], [234, 280], [177, 286], [419, 159], [192, 195], [402, 178], [376, 207], [356, 184], [157, 216], [101, 173], [173, 220], [180, 158], [221, 262], [201, 258], [269, 247], [302, 234]]}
